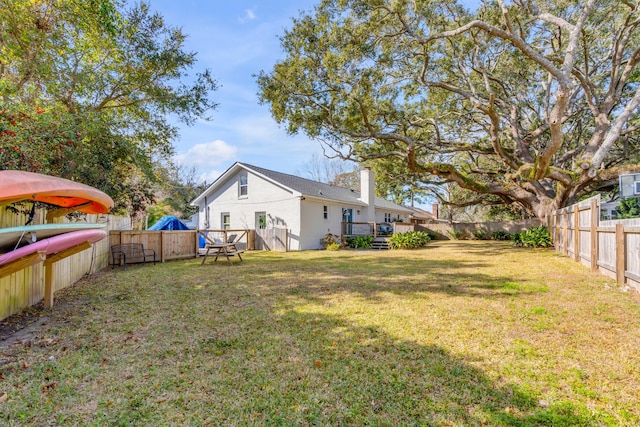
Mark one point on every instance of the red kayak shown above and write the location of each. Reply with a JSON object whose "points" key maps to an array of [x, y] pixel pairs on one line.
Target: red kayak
{"points": [[55, 244], [20, 185]]}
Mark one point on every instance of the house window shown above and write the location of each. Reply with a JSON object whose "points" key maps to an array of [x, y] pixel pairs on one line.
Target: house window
{"points": [[325, 212], [387, 217], [243, 186], [261, 220], [226, 221]]}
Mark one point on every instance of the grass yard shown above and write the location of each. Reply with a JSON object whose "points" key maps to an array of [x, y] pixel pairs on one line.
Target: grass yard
{"points": [[457, 334]]}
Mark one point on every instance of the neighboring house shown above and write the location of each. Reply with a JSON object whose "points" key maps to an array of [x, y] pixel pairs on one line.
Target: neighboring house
{"points": [[250, 197], [608, 210], [420, 216]]}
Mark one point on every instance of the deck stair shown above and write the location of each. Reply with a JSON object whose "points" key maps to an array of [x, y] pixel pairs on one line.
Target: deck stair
{"points": [[380, 243]]}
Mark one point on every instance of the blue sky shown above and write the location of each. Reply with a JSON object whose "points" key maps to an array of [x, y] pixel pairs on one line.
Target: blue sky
{"points": [[236, 39]]}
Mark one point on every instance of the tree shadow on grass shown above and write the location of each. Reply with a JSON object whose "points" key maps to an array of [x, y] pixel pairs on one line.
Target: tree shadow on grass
{"points": [[371, 276], [257, 340], [345, 374]]}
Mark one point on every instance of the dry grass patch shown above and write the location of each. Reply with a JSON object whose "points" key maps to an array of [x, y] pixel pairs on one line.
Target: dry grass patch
{"points": [[460, 333]]}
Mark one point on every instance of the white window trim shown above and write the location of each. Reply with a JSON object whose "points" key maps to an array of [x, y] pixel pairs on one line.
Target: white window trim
{"points": [[222, 215], [244, 186]]}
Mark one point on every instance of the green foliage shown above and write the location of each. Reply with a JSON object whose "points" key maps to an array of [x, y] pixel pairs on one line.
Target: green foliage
{"points": [[155, 212], [86, 88], [360, 242], [481, 234], [430, 233], [501, 235], [409, 240], [629, 208], [431, 93], [534, 237], [180, 186], [333, 246], [331, 241], [455, 234]]}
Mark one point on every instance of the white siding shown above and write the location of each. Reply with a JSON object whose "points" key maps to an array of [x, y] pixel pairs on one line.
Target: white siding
{"points": [[281, 205], [284, 208], [394, 215], [315, 226]]}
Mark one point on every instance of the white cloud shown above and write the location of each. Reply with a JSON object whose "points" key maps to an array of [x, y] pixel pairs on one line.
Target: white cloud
{"points": [[210, 176], [249, 15], [208, 155]]}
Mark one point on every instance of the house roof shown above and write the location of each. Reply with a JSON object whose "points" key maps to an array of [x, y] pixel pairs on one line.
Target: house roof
{"points": [[306, 188], [421, 213]]}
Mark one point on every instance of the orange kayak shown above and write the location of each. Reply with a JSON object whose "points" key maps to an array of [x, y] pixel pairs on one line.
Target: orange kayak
{"points": [[20, 185]]}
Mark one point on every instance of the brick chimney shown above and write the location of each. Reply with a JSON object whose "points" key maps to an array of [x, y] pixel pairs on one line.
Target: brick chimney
{"points": [[368, 193], [434, 210]]}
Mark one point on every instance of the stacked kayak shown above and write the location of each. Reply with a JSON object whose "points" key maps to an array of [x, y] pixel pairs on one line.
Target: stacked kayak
{"points": [[18, 242]]}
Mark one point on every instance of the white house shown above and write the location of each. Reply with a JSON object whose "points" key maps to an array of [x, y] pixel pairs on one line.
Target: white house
{"points": [[250, 197]]}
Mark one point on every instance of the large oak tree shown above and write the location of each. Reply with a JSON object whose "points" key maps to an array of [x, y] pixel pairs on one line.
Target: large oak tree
{"points": [[532, 102]]}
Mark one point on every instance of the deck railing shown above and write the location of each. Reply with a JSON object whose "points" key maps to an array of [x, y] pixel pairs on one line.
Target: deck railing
{"points": [[375, 229]]}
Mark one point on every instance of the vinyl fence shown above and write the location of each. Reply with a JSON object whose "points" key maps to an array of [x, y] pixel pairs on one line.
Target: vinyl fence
{"points": [[611, 247]]}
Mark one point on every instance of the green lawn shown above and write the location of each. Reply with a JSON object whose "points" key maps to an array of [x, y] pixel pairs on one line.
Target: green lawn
{"points": [[457, 334]]}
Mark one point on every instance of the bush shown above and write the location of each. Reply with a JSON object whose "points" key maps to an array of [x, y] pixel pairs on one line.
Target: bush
{"points": [[360, 242], [534, 237], [481, 234], [409, 240], [501, 235], [430, 233], [455, 234], [331, 241], [332, 246], [629, 208]]}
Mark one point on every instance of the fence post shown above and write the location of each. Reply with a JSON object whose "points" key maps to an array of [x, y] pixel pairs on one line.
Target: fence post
{"points": [[595, 218], [565, 237], [162, 245], [556, 232], [620, 251], [576, 232]]}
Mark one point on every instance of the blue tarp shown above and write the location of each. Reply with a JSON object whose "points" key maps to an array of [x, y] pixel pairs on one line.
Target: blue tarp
{"points": [[173, 223], [169, 223]]}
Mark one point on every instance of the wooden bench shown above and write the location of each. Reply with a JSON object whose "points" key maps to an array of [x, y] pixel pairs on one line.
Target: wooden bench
{"points": [[131, 253]]}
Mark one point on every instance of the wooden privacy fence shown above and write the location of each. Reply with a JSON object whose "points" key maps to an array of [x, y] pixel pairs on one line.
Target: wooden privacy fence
{"points": [[611, 247], [180, 244], [169, 245], [272, 239], [467, 230], [26, 287]]}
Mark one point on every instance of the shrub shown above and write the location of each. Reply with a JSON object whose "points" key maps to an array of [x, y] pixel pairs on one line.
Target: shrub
{"points": [[331, 240], [360, 242], [501, 235], [333, 246], [481, 234], [430, 233], [534, 237], [629, 208], [455, 234], [409, 240]]}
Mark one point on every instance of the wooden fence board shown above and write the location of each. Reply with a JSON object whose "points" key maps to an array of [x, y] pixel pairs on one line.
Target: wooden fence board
{"points": [[612, 247], [272, 239], [26, 287]]}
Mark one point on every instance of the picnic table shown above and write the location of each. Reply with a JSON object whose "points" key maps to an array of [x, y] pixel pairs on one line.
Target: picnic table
{"points": [[225, 249]]}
